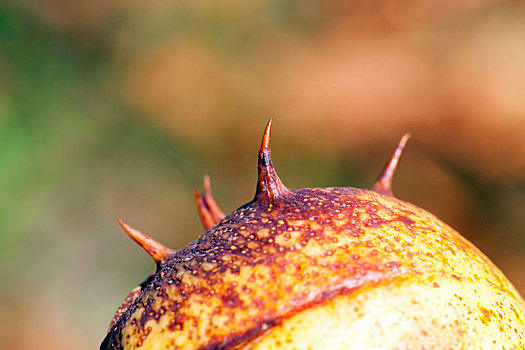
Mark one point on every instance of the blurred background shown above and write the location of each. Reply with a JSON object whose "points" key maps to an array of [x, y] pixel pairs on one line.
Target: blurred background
{"points": [[116, 109]]}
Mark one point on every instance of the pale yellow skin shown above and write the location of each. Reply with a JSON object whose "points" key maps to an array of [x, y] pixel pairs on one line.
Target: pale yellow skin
{"points": [[349, 269], [407, 314]]}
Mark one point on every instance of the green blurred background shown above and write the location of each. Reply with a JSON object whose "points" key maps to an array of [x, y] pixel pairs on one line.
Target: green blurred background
{"points": [[116, 109]]}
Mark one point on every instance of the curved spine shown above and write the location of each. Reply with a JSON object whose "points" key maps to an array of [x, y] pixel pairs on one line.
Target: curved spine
{"points": [[383, 184]]}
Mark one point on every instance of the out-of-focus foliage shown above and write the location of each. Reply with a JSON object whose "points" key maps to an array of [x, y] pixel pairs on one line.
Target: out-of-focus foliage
{"points": [[117, 108]]}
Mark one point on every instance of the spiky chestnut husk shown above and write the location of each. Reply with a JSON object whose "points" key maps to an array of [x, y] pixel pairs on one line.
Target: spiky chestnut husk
{"points": [[320, 268]]}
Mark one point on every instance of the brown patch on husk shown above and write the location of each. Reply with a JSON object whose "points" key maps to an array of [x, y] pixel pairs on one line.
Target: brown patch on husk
{"points": [[268, 261]]}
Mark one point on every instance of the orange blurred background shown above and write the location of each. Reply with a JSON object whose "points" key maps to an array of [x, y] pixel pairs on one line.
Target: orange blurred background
{"points": [[116, 109]]}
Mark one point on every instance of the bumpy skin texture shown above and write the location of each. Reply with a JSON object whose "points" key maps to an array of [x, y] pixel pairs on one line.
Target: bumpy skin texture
{"points": [[332, 268]]}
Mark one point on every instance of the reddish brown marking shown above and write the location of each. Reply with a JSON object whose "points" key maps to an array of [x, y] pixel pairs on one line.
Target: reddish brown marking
{"points": [[269, 186], [213, 254], [158, 252], [125, 305], [383, 183]]}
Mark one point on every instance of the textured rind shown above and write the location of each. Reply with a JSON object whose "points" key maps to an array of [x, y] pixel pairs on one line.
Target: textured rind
{"points": [[270, 263]]}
